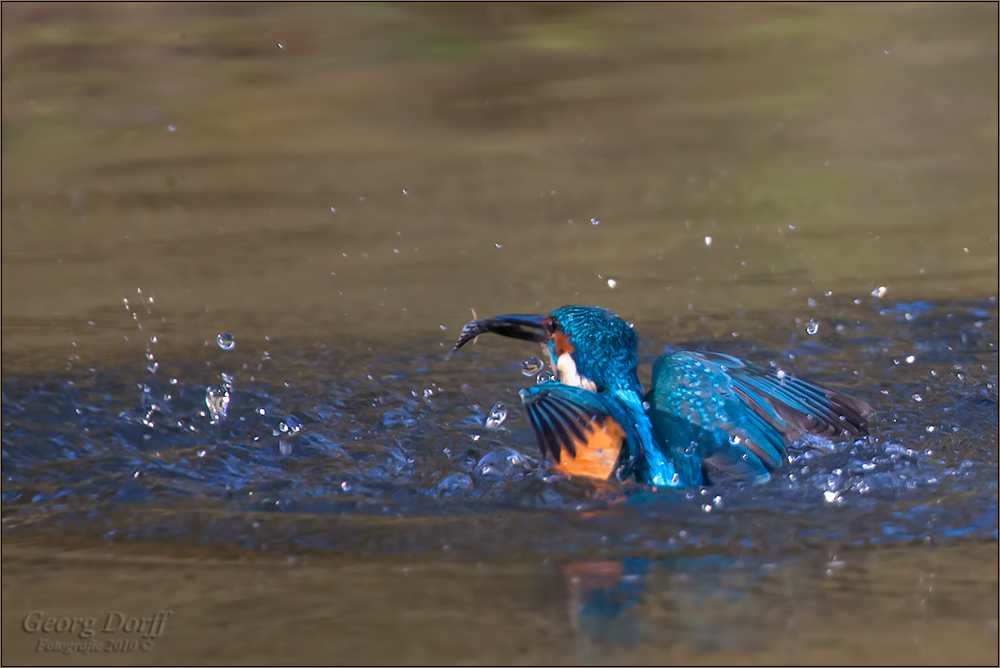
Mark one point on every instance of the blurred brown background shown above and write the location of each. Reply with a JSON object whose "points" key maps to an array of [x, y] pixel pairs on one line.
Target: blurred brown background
{"points": [[197, 151]]}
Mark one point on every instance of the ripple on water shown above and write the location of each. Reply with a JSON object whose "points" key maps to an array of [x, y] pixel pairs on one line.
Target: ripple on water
{"points": [[318, 438]]}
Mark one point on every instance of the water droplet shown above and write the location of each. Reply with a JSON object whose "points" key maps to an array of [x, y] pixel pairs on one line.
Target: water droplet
{"points": [[831, 497], [202, 453], [280, 45], [612, 283], [917, 397], [812, 327], [812, 302], [217, 401], [708, 241], [545, 377], [880, 291], [226, 341], [428, 393], [498, 245], [594, 221], [707, 508], [910, 359], [291, 425], [531, 365], [930, 428], [497, 416], [171, 128]]}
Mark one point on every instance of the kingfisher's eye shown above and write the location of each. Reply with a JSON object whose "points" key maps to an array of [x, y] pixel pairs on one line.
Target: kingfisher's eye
{"points": [[552, 326]]}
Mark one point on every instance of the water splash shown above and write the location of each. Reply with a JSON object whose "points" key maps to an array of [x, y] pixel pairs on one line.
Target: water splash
{"points": [[400, 454], [497, 416], [217, 401], [455, 484], [501, 463]]}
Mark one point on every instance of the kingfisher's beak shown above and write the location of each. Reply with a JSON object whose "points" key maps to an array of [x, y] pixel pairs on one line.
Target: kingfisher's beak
{"points": [[525, 327]]}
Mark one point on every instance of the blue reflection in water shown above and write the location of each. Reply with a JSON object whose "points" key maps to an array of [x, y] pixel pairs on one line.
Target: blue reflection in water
{"points": [[704, 602]]}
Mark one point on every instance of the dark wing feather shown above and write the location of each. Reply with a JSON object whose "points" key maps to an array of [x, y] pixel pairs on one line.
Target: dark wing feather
{"points": [[559, 414], [804, 407], [567, 418]]}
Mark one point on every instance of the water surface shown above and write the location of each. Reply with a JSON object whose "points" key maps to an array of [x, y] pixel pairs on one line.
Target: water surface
{"points": [[337, 187]]}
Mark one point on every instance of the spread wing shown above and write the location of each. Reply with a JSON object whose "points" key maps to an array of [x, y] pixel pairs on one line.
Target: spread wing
{"points": [[579, 428], [739, 416]]}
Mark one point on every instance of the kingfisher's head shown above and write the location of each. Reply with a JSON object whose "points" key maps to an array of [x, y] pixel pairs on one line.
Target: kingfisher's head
{"points": [[587, 346]]}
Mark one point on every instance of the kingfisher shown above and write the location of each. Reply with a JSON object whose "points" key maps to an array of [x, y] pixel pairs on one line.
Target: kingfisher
{"points": [[707, 414]]}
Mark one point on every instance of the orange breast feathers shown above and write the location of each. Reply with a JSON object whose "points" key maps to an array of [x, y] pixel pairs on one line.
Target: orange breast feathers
{"points": [[562, 344], [596, 456]]}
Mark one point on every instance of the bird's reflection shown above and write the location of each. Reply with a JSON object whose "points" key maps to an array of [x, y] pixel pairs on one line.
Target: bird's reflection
{"points": [[707, 602]]}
